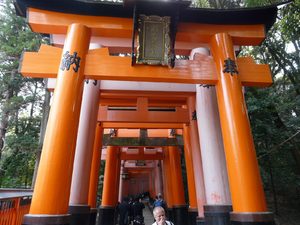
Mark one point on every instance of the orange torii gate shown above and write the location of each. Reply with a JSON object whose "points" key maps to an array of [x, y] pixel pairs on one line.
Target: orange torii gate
{"points": [[75, 62]]}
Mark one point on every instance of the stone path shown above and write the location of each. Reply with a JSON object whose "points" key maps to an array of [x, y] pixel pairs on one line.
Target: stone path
{"points": [[148, 217]]}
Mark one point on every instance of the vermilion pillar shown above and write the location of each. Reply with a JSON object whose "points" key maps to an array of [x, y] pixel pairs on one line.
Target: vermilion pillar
{"points": [[248, 199], [152, 182], [218, 201], [197, 161], [167, 187], [158, 177], [118, 177], [190, 175], [180, 212], [94, 175], [78, 206], [51, 192], [121, 185], [124, 181], [110, 186]]}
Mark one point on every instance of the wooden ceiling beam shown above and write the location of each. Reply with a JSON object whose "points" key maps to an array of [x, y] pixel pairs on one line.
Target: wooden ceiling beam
{"points": [[118, 125], [49, 22], [46, 62]]}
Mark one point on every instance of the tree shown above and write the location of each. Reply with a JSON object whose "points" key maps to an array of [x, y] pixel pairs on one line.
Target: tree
{"points": [[218, 4], [274, 111], [20, 100]]}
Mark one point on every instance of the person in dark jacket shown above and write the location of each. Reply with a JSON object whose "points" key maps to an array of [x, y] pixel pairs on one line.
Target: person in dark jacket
{"points": [[138, 207], [160, 202], [123, 209]]}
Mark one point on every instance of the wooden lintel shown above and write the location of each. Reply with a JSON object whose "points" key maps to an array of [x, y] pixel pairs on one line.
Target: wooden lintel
{"points": [[252, 74], [138, 171], [45, 63], [119, 68], [130, 141], [42, 64], [119, 125], [179, 116], [49, 22], [126, 102], [156, 156]]}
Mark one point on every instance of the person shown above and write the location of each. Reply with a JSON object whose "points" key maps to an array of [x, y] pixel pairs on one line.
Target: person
{"points": [[130, 209], [138, 207], [160, 202], [123, 209], [160, 216]]}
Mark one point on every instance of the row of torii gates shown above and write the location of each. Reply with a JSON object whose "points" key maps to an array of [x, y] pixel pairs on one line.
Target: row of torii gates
{"points": [[97, 90]]}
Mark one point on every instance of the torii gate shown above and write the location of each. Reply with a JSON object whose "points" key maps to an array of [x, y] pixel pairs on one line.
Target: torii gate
{"points": [[75, 63]]}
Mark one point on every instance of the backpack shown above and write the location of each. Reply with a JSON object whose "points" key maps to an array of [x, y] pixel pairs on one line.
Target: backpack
{"points": [[167, 222], [160, 203]]}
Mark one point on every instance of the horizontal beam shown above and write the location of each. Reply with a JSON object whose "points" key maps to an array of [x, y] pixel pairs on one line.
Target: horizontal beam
{"points": [[101, 66], [124, 45], [119, 68], [49, 22], [119, 125], [156, 156], [252, 74], [116, 141], [156, 99], [179, 116], [126, 102], [42, 64]]}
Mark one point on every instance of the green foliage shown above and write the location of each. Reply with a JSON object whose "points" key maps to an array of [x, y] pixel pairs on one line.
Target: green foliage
{"points": [[201, 4], [100, 183], [20, 101], [274, 112], [257, 3], [218, 4], [17, 169]]}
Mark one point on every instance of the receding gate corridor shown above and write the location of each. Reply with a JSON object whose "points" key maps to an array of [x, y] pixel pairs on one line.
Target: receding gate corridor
{"points": [[155, 90]]}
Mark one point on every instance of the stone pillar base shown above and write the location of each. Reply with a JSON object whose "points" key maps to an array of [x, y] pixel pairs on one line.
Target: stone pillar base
{"points": [[80, 214], [169, 214], [93, 216], [41, 219], [217, 214], [106, 215], [180, 214], [259, 218], [192, 215], [200, 221]]}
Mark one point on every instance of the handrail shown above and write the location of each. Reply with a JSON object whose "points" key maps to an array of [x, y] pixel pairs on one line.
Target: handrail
{"points": [[14, 204]]}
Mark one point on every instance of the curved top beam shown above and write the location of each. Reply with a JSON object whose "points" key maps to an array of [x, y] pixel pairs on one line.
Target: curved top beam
{"points": [[244, 16]]}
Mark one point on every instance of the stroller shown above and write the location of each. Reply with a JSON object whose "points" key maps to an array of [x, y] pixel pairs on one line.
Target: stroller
{"points": [[138, 220]]}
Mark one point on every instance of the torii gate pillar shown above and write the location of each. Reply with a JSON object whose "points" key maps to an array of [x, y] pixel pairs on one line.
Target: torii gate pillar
{"points": [[218, 201], [94, 176], [180, 211], [248, 199], [188, 155], [78, 207], [110, 186], [51, 192]]}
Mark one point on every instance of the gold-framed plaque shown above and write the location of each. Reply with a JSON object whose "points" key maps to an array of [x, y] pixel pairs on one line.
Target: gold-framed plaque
{"points": [[153, 40]]}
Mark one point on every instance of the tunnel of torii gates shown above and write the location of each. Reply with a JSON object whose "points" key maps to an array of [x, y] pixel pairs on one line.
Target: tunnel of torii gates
{"points": [[119, 92]]}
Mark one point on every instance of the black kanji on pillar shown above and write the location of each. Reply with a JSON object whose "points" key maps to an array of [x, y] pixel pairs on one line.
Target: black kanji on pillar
{"points": [[230, 66], [68, 60], [194, 115]]}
